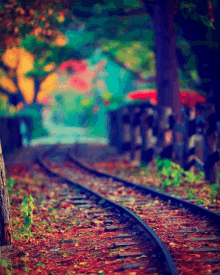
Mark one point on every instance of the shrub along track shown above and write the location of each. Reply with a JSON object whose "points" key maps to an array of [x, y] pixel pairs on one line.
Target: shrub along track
{"points": [[143, 252], [190, 232]]}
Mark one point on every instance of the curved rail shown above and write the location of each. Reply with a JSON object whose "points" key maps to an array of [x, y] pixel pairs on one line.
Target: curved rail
{"points": [[176, 201], [166, 260]]}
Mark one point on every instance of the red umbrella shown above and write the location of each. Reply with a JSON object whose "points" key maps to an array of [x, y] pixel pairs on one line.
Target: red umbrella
{"points": [[150, 94], [191, 98], [187, 98]]}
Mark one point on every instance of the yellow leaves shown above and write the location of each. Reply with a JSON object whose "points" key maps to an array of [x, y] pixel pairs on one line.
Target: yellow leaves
{"points": [[97, 222], [47, 86], [76, 244], [49, 67], [61, 40], [10, 57], [26, 62], [7, 84], [82, 263], [26, 86]]}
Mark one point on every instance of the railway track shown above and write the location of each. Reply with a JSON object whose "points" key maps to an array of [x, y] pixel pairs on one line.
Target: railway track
{"points": [[190, 233], [126, 234]]}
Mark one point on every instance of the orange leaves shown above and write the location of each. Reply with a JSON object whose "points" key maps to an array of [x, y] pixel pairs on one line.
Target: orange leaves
{"points": [[49, 67], [60, 40], [26, 61], [47, 86], [37, 31], [7, 84], [50, 12], [26, 86], [10, 57], [61, 18]]}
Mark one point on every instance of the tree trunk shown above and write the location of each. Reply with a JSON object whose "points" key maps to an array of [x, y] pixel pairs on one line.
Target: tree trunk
{"points": [[166, 62], [5, 212]]}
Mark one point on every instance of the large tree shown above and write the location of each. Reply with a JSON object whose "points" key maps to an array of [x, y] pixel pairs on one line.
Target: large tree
{"points": [[5, 212]]}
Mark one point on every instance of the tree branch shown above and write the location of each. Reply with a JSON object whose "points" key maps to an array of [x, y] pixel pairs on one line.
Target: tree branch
{"points": [[136, 74], [119, 13]]}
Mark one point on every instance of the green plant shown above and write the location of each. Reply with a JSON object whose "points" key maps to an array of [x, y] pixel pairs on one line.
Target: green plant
{"points": [[6, 267], [27, 208], [172, 174], [215, 191], [10, 184]]}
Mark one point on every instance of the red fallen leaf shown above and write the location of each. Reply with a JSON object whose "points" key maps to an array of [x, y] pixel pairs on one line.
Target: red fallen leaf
{"points": [[119, 191], [130, 192], [65, 205]]}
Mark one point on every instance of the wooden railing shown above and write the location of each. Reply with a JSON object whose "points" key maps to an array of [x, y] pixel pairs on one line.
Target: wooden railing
{"points": [[10, 132], [136, 131]]}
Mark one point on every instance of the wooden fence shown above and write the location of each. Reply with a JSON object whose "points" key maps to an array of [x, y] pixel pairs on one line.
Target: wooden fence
{"points": [[10, 132], [136, 132]]}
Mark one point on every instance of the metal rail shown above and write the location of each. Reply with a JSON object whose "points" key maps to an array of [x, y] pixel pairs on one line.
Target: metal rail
{"points": [[176, 201], [166, 260]]}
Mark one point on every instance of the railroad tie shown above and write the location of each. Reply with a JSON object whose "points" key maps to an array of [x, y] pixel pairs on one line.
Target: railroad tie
{"points": [[132, 266], [132, 254], [125, 235], [117, 245]]}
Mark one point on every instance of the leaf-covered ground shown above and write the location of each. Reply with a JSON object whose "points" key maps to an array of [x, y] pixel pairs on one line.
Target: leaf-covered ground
{"points": [[64, 239], [192, 187]]}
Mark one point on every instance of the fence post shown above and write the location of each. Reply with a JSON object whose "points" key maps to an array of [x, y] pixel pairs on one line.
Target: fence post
{"points": [[189, 139], [113, 125], [211, 155], [126, 145], [147, 120], [165, 132], [119, 141], [132, 132], [108, 127], [135, 113]]}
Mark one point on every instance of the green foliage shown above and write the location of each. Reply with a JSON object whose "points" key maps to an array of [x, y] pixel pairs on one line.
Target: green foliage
{"points": [[4, 263], [106, 95], [6, 267], [173, 174], [10, 185], [188, 9], [215, 192], [3, 106], [86, 102], [27, 209]]}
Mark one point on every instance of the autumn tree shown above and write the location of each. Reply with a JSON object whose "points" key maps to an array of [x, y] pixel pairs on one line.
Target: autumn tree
{"points": [[28, 71], [31, 48]]}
